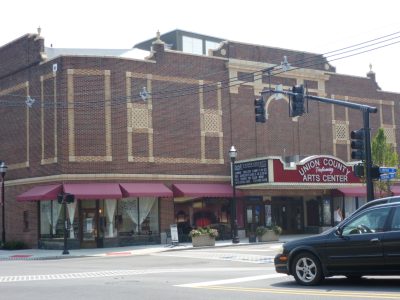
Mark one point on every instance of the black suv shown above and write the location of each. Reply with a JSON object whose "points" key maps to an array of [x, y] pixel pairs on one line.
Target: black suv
{"points": [[366, 243]]}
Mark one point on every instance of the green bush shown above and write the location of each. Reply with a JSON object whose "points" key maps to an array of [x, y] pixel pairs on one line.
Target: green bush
{"points": [[275, 228], [15, 245], [213, 233]]}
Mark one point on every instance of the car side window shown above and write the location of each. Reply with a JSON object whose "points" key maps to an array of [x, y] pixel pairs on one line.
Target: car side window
{"points": [[368, 222], [396, 220]]}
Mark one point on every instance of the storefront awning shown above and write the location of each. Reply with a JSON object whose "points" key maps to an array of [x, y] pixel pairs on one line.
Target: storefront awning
{"points": [[42, 192], [203, 190], [361, 191], [94, 190], [145, 189], [354, 191]]}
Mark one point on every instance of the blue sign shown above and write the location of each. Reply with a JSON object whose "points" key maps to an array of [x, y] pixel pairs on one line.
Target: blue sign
{"points": [[387, 170], [387, 176]]}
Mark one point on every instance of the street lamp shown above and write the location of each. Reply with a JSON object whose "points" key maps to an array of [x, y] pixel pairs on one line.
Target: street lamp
{"points": [[3, 170], [234, 225]]}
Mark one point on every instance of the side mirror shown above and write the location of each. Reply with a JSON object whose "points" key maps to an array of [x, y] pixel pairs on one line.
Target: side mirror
{"points": [[339, 231]]}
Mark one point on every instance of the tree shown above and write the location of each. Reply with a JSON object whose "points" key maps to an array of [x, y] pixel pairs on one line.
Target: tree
{"points": [[383, 155]]}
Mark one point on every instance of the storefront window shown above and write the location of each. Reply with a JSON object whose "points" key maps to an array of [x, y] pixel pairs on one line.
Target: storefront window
{"points": [[326, 210], [51, 219], [138, 216]]}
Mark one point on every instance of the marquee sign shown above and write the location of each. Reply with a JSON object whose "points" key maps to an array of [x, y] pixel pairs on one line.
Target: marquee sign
{"points": [[315, 169], [251, 172]]}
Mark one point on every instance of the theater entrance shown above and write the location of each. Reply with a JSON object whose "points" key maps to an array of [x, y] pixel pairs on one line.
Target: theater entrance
{"points": [[288, 213]]}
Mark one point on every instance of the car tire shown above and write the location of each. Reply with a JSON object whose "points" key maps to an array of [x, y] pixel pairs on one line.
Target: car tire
{"points": [[306, 269]]}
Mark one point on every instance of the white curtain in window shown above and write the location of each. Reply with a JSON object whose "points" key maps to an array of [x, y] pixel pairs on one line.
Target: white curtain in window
{"points": [[111, 204], [129, 207], [45, 217], [71, 214], [53, 214], [145, 205]]}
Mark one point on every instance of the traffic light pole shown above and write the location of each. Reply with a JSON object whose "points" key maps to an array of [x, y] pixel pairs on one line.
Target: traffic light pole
{"points": [[366, 110], [368, 155]]}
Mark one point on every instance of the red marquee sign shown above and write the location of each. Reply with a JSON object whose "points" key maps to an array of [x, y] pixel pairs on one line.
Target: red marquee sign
{"points": [[315, 169]]}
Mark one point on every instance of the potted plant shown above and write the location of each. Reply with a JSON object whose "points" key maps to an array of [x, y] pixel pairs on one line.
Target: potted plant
{"points": [[268, 233], [203, 236]]}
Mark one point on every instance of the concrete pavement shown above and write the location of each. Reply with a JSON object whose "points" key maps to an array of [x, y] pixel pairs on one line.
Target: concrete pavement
{"points": [[41, 254]]}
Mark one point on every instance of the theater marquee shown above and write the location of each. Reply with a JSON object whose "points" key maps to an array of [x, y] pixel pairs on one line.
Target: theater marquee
{"points": [[315, 169]]}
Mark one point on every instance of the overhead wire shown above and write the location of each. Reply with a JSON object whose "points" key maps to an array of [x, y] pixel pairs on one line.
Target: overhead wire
{"points": [[238, 80]]}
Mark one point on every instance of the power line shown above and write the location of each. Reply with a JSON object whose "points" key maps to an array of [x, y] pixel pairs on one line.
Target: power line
{"points": [[235, 81]]}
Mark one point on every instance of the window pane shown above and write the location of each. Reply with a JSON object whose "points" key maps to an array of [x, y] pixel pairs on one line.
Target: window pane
{"points": [[192, 45]]}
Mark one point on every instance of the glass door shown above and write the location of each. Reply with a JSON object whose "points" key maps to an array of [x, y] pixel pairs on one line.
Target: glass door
{"points": [[89, 223]]}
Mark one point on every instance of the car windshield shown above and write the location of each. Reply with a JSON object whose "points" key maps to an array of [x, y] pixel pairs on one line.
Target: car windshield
{"points": [[369, 222]]}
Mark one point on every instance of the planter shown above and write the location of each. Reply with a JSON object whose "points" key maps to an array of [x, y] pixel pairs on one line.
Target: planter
{"points": [[268, 236], [203, 240]]}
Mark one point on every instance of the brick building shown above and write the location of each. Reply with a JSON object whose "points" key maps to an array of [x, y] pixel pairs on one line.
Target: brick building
{"points": [[143, 143]]}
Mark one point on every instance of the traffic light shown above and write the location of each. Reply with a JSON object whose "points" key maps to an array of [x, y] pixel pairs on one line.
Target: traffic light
{"points": [[69, 198], [358, 144], [359, 170], [260, 110], [297, 101]]}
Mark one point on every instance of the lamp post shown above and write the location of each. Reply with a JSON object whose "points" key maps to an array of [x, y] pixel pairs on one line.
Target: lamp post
{"points": [[3, 170], [234, 225]]}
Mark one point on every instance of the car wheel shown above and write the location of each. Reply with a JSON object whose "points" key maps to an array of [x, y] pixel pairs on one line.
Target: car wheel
{"points": [[307, 269]]}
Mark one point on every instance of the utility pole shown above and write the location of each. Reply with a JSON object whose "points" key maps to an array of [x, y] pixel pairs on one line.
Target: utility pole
{"points": [[365, 109]]}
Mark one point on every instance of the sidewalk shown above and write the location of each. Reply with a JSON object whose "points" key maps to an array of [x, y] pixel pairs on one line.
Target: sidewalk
{"points": [[40, 254]]}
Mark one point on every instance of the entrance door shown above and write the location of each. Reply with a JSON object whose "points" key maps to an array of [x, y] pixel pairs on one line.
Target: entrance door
{"points": [[254, 216], [288, 213], [89, 224]]}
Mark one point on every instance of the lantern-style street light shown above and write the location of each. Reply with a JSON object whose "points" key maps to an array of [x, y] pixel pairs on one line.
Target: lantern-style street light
{"points": [[234, 225]]}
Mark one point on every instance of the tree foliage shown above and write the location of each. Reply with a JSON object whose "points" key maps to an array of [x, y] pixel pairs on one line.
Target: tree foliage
{"points": [[383, 155]]}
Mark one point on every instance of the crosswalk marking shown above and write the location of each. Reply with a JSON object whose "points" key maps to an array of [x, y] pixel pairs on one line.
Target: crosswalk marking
{"points": [[115, 273], [249, 258], [232, 280]]}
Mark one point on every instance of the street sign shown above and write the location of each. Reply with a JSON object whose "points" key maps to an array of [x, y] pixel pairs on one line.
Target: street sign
{"points": [[387, 176], [387, 170]]}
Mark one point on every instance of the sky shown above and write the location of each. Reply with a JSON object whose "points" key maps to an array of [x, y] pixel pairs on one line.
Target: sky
{"points": [[317, 26]]}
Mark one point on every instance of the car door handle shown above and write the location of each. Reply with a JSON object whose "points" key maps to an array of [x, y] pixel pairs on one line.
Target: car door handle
{"points": [[375, 240]]}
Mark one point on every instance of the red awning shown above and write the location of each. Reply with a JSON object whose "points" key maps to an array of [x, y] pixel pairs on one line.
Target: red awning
{"points": [[361, 191], [203, 190], [354, 191], [94, 190], [43, 192], [145, 189]]}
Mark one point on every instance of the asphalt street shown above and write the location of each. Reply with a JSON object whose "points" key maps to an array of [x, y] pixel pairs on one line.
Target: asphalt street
{"points": [[231, 272]]}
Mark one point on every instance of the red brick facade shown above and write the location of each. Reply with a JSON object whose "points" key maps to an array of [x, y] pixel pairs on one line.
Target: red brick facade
{"points": [[89, 123]]}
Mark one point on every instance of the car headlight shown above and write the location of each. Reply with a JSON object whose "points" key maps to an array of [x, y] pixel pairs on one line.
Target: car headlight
{"points": [[279, 250]]}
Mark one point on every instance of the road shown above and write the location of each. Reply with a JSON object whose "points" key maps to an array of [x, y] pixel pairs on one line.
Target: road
{"points": [[236, 272]]}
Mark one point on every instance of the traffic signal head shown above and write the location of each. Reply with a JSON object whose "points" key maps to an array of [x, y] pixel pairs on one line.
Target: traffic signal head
{"points": [[259, 109], [297, 101], [358, 144], [69, 198], [60, 198]]}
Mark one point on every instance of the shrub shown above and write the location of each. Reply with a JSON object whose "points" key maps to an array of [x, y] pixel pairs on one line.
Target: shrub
{"points": [[15, 245], [275, 228], [204, 230]]}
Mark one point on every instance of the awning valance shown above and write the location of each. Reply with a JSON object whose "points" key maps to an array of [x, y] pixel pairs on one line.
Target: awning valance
{"points": [[145, 189], [361, 191], [93, 190], [203, 190], [42, 192]]}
